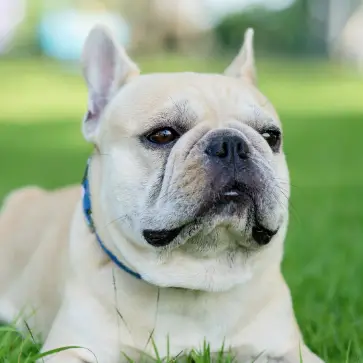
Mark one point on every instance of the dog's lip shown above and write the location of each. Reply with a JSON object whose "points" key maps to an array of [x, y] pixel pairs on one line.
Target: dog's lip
{"points": [[262, 235], [163, 237], [232, 195]]}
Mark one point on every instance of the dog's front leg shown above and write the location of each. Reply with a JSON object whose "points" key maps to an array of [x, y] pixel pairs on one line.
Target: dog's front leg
{"points": [[83, 324]]}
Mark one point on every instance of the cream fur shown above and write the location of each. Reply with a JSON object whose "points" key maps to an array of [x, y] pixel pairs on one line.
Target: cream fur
{"points": [[54, 276]]}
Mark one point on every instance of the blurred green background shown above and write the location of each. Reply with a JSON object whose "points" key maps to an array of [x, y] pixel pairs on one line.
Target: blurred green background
{"points": [[309, 67]]}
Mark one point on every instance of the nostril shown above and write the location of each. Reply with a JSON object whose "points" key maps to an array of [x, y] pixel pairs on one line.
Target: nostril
{"points": [[219, 150], [242, 150], [223, 150], [228, 147]]}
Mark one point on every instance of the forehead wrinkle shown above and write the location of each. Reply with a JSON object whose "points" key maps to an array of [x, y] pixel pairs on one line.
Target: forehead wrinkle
{"points": [[258, 118], [179, 114]]}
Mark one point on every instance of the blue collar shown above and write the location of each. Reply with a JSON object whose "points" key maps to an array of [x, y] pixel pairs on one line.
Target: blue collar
{"points": [[87, 210]]}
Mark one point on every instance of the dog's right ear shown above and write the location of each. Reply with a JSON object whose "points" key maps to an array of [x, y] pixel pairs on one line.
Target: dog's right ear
{"points": [[106, 68]]}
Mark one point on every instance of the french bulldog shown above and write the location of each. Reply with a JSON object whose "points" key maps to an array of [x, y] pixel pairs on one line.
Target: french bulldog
{"points": [[176, 237]]}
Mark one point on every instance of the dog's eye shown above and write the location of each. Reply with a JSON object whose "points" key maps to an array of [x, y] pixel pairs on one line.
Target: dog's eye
{"points": [[163, 136], [273, 138]]}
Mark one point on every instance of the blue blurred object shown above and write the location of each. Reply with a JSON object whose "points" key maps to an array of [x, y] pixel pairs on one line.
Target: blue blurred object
{"points": [[62, 33]]}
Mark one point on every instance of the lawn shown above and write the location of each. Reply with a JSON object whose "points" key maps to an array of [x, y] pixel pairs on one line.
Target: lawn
{"points": [[321, 107]]}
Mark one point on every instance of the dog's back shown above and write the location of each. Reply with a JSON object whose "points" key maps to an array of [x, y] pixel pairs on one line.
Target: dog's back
{"points": [[34, 229]]}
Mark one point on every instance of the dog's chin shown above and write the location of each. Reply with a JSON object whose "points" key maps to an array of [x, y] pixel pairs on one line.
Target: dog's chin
{"points": [[228, 212]]}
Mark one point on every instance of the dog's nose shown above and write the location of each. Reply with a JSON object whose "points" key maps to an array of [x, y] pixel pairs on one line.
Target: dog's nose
{"points": [[228, 149]]}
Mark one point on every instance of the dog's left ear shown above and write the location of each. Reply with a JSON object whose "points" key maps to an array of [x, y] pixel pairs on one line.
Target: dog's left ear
{"points": [[106, 68], [243, 66]]}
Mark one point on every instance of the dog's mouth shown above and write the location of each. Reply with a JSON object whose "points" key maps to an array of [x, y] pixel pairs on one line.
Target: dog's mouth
{"points": [[236, 195], [162, 237]]}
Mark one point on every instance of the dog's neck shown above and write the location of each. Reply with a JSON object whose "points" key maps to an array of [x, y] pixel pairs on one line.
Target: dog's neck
{"points": [[87, 210]]}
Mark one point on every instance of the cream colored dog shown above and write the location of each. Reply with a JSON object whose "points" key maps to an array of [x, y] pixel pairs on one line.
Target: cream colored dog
{"points": [[189, 197]]}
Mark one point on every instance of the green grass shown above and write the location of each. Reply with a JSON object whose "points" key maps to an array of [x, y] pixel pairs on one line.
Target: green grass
{"points": [[322, 111]]}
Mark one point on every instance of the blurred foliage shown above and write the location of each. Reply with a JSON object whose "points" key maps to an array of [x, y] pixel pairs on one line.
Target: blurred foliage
{"points": [[26, 42], [291, 31], [26, 39]]}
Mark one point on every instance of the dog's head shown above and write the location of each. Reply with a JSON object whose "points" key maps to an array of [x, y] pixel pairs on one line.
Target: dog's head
{"points": [[189, 180]]}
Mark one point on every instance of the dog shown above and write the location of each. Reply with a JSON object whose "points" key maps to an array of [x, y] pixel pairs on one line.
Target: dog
{"points": [[175, 238]]}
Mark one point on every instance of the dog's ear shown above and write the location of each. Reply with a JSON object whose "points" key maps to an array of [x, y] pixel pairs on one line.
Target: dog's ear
{"points": [[243, 66], [106, 67]]}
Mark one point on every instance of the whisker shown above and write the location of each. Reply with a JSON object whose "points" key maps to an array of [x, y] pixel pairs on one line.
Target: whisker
{"points": [[114, 220]]}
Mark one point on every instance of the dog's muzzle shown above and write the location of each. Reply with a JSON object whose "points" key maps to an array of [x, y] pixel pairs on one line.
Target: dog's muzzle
{"points": [[234, 179]]}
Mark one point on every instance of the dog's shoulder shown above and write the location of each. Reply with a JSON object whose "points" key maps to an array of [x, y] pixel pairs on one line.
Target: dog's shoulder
{"points": [[34, 206], [21, 197]]}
